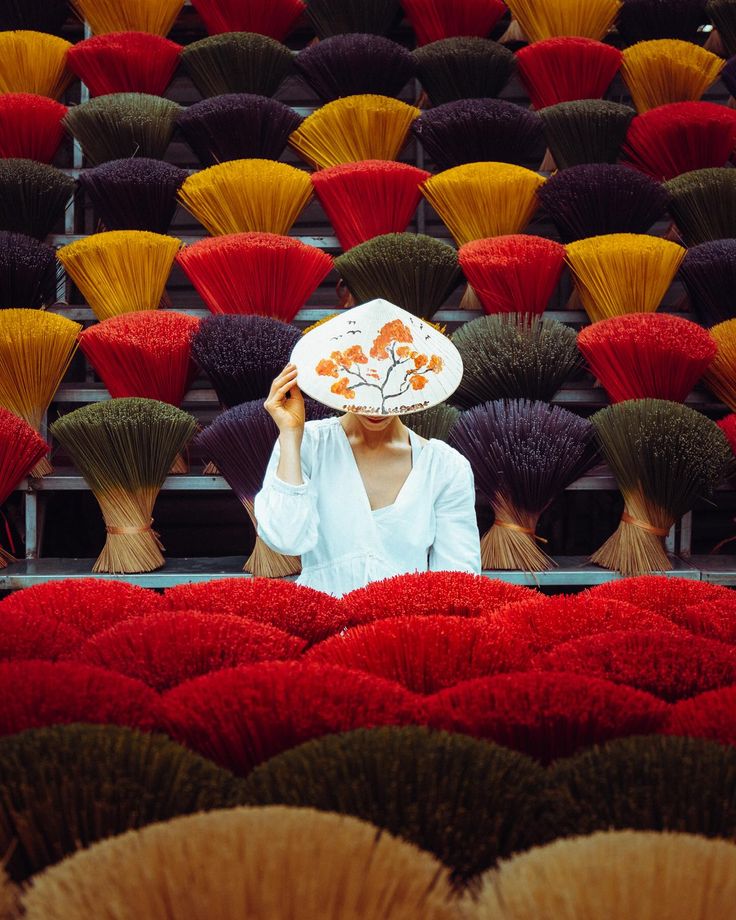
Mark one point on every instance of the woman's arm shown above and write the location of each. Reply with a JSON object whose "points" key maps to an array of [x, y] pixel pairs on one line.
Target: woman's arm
{"points": [[456, 546]]}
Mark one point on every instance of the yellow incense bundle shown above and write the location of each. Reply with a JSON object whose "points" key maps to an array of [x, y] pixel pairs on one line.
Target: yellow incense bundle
{"points": [[154, 16], [34, 62], [540, 19], [721, 375], [668, 70]]}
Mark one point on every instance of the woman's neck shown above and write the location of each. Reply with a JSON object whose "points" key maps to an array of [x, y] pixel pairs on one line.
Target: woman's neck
{"points": [[361, 432]]}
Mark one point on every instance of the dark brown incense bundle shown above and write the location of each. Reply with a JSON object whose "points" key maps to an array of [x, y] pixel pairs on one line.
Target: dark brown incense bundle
{"points": [[467, 67], [513, 356], [664, 456], [33, 197], [723, 14], [39, 15], [29, 272], [709, 274], [644, 20], [337, 17], [703, 204], [586, 131], [237, 62]]}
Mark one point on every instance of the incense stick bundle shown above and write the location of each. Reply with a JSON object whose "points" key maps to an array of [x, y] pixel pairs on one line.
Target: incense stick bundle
{"points": [[237, 62], [664, 456], [586, 131], [125, 62], [524, 454], [36, 349], [644, 20], [30, 126], [623, 272], [668, 70], [21, 450], [247, 195], [366, 127], [433, 20], [434, 423], [238, 126], [463, 68], [513, 274], [479, 130], [647, 355], [338, 17], [33, 196], [513, 356], [703, 204], [155, 16], [721, 375], [42, 15], [125, 448], [709, 274], [29, 272], [243, 355], [133, 194], [565, 69], [595, 199], [123, 125], [415, 272], [680, 137], [480, 200], [583, 18], [723, 15], [368, 199], [259, 273], [273, 18], [33, 62], [350, 65], [120, 271]]}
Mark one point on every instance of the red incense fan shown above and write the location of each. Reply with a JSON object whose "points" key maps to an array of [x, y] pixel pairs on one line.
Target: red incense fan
{"points": [[433, 20], [368, 199], [125, 62], [21, 448], [256, 273], [275, 18], [30, 126]]}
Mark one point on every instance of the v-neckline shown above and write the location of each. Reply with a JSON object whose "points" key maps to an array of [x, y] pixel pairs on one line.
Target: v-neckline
{"points": [[359, 475]]}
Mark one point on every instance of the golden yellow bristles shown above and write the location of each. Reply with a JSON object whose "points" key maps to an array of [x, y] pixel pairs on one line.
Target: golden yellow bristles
{"points": [[273, 863], [154, 16], [668, 70], [34, 62], [247, 195], [120, 271], [480, 200], [540, 19], [36, 348], [353, 129], [623, 272], [721, 375]]}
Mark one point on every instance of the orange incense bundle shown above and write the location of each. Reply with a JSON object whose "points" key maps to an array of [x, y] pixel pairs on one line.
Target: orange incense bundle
{"points": [[125, 62], [721, 375], [21, 448], [433, 20], [30, 126], [668, 70], [368, 199], [255, 273], [565, 69]]}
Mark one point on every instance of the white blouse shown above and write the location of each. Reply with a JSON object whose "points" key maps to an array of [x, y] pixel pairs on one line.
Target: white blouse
{"points": [[344, 544]]}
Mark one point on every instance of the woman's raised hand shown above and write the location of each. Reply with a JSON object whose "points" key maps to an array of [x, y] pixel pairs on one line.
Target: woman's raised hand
{"points": [[285, 403]]}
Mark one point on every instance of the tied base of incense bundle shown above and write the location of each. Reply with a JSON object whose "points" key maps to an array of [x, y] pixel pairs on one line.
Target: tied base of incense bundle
{"points": [[263, 561]]}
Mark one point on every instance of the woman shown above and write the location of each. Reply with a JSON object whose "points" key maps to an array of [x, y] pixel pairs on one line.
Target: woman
{"points": [[362, 498]]}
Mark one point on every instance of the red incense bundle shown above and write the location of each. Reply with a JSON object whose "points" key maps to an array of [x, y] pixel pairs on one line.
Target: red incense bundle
{"points": [[274, 18], [433, 20], [21, 448], [368, 199], [565, 69], [125, 62], [30, 126]]}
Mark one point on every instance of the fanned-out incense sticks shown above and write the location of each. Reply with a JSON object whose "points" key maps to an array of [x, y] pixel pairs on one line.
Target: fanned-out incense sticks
{"points": [[243, 355], [513, 356], [366, 127], [645, 20], [586, 131], [709, 274], [33, 196], [513, 274], [480, 130], [524, 454], [721, 375], [723, 14], [237, 62], [728, 427], [595, 199], [680, 137], [120, 271], [703, 204], [259, 273], [273, 18], [463, 68], [368, 199], [247, 196], [337, 17], [480, 200], [238, 126], [29, 272], [133, 194], [31, 127], [41, 15], [33, 62], [664, 456], [435, 423], [433, 20], [125, 448], [36, 349], [583, 18], [125, 62], [565, 69], [413, 271], [623, 272], [21, 450], [647, 355], [123, 125], [155, 16], [668, 70], [349, 65]]}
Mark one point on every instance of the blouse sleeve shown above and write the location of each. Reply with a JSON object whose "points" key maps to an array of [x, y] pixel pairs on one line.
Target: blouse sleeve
{"points": [[287, 514], [456, 546]]}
